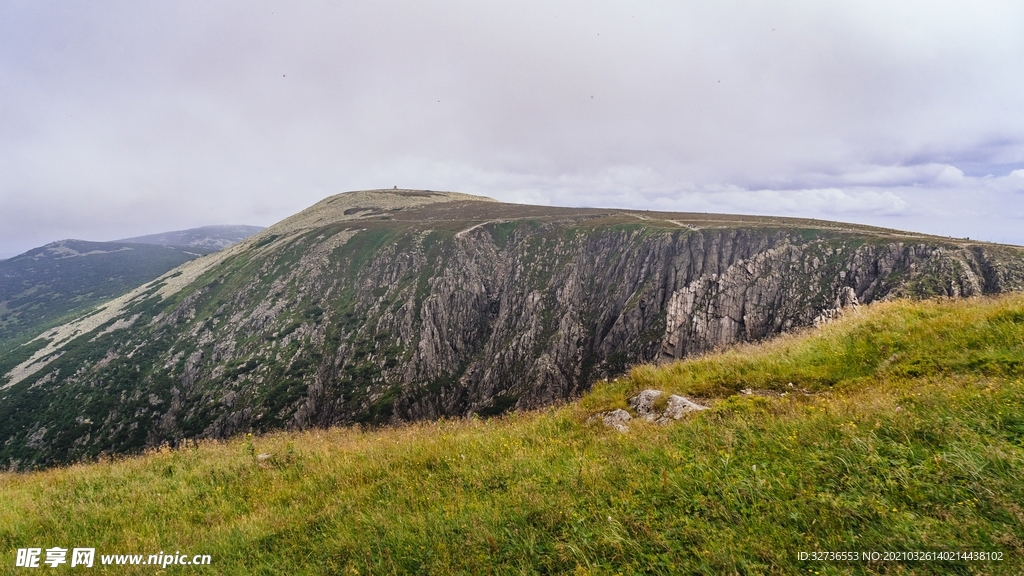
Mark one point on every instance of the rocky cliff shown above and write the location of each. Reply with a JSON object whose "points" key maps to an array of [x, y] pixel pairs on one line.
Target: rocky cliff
{"points": [[383, 306]]}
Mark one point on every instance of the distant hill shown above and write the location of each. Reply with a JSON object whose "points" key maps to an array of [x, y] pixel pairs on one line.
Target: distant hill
{"points": [[207, 237], [39, 288], [45, 284]]}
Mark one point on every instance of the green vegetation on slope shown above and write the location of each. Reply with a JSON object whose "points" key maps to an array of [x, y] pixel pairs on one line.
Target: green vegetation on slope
{"points": [[911, 440]]}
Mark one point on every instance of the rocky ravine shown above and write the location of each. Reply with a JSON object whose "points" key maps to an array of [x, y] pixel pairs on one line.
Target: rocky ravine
{"points": [[383, 306]]}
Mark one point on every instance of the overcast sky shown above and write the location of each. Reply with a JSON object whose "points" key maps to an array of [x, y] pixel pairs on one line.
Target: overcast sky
{"points": [[127, 118]]}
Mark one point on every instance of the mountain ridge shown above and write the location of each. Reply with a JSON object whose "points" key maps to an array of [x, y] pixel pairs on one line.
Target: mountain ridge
{"points": [[207, 237], [391, 305]]}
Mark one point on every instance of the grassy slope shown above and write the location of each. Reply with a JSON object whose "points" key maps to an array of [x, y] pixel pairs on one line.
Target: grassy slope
{"points": [[914, 440]]}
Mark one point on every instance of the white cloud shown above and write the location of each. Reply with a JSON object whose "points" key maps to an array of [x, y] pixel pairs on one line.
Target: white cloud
{"points": [[827, 201], [1012, 182]]}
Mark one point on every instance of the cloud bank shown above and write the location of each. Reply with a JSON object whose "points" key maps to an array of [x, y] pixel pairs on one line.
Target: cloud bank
{"points": [[121, 119]]}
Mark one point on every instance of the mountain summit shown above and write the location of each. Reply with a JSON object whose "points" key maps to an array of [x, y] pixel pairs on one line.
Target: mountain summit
{"points": [[390, 305]]}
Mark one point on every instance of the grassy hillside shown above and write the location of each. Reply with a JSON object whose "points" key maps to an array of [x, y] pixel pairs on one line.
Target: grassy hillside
{"points": [[903, 431]]}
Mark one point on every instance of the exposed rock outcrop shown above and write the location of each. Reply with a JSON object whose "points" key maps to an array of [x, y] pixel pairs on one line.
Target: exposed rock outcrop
{"points": [[646, 406]]}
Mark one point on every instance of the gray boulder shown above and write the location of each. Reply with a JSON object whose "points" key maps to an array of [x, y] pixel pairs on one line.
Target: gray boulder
{"points": [[643, 403], [679, 405], [675, 408], [617, 419]]}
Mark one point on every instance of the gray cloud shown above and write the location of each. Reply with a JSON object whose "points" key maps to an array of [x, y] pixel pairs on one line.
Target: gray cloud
{"points": [[127, 118]]}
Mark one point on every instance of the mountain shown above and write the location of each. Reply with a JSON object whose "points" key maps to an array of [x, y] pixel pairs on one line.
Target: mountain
{"points": [[391, 305], [206, 237], [52, 282]]}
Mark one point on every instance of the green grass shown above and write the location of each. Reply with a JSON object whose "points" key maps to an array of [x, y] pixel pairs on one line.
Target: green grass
{"points": [[912, 439]]}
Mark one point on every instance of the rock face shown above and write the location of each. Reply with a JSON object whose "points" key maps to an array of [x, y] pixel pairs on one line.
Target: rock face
{"points": [[383, 306]]}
